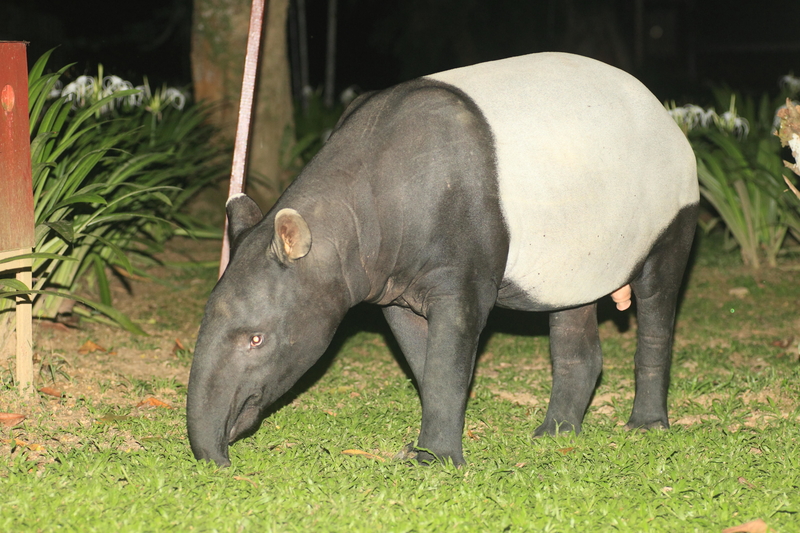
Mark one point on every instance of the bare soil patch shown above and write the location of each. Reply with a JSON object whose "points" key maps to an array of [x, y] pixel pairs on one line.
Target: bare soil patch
{"points": [[95, 370]]}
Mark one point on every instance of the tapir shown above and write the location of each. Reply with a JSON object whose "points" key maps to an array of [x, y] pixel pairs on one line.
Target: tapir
{"points": [[536, 183]]}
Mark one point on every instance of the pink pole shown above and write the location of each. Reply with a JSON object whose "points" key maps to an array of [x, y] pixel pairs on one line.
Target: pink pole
{"points": [[237, 181]]}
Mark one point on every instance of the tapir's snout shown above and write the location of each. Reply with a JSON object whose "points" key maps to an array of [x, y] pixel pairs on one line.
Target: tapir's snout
{"points": [[219, 456], [220, 408], [212, 410], [207, 433]]}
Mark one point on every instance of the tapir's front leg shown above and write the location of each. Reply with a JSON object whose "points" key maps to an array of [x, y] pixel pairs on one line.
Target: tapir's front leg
{"points": [[577, 362], [411, 332], [453, 332]]}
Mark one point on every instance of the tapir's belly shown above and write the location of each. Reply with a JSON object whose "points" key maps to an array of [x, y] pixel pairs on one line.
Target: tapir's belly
{"points": [[591, 169]]}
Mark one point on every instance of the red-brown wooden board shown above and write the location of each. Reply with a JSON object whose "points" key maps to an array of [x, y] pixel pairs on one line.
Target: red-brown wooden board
{"points": [[16, 193]]}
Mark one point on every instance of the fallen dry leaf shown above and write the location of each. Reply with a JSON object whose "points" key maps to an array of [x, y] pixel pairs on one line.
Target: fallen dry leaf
{"points": [[744, 481], [10, 420], [565, 451], [50, 391], [472, 435], [362, 453], [178, 346], [153, 402], [783, 343], [130, 275], [22, 444], [739, 292], [90, 347], [754, 526], [242, 478]]}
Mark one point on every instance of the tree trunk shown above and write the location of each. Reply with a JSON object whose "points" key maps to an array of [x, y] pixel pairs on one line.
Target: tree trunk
{"points": [[330, 55], [219, 39]]}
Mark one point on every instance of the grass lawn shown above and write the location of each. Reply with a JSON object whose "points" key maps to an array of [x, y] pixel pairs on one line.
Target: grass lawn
{"points": [[108, 455]]}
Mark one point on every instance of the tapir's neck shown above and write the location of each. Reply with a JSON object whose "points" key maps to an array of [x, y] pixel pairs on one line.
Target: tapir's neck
{"points": [[346, 233]]}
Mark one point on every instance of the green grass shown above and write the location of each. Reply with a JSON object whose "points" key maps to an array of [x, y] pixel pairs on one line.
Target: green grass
{"points": [[732, 455]]}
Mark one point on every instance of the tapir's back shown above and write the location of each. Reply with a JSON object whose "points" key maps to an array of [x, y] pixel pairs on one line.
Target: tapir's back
{"points": [[591, 169]]}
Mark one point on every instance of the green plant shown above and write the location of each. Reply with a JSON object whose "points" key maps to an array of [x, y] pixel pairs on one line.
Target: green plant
{"points": [[741, 173], [745, 186], [112, 168], [52, 366], [313, 125]]}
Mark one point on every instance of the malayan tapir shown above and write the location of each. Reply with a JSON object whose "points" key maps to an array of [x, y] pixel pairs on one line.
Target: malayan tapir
{"points": [[537, 183]]}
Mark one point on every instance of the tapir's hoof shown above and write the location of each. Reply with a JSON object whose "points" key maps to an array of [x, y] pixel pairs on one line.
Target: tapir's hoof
{"points": [[551, 427], [414, 455], [646, 426]]}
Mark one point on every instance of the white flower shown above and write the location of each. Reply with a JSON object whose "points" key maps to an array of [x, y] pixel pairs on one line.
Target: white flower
{"points": [[156, 102], [79, 90], [86, 90], [55, 92], [730, 121], [348, 95], [175, 98], [112, 84], [143, 94], [791, 84], [692, 116]]}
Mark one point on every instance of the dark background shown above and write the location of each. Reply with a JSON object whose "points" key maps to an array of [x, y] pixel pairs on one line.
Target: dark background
{"points": [[677, 47]]}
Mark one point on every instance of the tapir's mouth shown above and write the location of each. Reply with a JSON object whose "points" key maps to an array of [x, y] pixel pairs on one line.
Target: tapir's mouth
{"points": [[248, 416]]}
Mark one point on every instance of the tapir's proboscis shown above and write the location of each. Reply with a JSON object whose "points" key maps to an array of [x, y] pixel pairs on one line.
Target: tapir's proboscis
{"points": [[537, 183]]}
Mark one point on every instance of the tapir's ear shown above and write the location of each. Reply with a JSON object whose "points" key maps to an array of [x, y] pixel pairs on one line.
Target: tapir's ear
{"points": [[292, 238], [243, 213]]}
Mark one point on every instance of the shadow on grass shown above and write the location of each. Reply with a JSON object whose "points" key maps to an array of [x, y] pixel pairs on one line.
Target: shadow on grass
{"points": [[368, 318]]}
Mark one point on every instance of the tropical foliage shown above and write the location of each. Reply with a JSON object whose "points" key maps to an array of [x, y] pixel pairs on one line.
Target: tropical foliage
{"points": [[113, 165], [741, 173]]}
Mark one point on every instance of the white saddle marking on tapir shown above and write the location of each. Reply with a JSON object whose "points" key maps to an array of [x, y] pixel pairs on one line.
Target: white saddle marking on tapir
{"points": [[591, 170]]}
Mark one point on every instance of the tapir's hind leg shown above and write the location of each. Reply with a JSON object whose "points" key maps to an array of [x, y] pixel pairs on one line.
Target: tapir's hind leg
{"points": [[577, 362], [656, 290]]}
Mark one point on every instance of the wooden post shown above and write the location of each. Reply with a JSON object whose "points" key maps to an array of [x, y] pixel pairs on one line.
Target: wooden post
{"points": [[16, 194]]}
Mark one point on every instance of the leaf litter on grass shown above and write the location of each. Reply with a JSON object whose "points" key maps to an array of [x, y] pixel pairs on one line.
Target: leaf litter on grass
{"points": [[98, 379]]}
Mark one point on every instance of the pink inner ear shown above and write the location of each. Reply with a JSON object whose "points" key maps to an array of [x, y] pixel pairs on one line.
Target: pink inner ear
{"points": [[293, 233], [288, 234]]}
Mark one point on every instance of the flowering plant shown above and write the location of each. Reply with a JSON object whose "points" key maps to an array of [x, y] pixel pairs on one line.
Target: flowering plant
{"points": [[112, 166], [740, 171]]}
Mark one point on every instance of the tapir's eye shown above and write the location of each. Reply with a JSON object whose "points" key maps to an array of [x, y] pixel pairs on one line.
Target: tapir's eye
{"points": [[256, 340]]}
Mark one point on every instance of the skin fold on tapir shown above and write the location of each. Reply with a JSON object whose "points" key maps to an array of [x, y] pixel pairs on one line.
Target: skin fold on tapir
{"points": [[538, 183]]}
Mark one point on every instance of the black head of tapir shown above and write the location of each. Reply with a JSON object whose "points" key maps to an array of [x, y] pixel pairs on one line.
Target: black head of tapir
{"points": [[537, 183], [262, 328]]}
